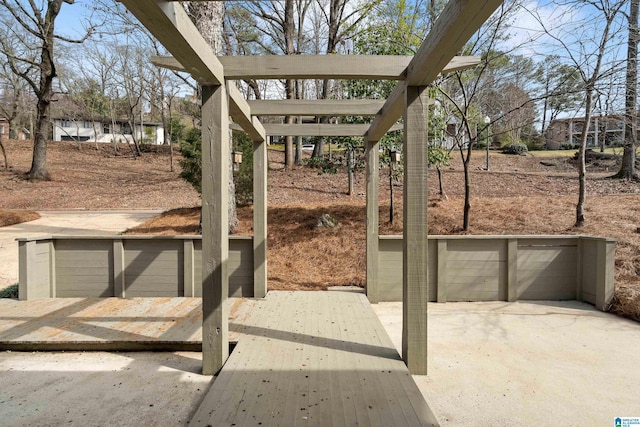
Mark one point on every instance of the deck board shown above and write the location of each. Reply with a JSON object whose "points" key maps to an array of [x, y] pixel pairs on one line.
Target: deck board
{"points": [[109, 324], [313, 358]]}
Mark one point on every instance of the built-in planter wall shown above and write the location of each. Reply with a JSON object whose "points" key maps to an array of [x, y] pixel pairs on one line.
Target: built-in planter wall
{"points": [[505, 268], [125, 266]]}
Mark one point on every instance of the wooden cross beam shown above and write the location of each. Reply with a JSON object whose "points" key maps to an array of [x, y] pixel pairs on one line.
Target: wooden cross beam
{"points": [[338, 67], [170, 24], [319, 129], [316, 107], [453, 28]]}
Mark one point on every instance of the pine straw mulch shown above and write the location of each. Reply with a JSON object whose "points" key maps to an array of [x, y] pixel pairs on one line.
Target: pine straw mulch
{"points": [[11, 217], [86, 177], [520, 195]]}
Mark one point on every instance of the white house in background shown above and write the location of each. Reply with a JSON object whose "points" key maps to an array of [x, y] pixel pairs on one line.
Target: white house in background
{"points": [[106, 130]]}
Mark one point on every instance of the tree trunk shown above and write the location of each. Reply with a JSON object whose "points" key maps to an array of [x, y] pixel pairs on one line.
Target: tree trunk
{"points": [[44, 93], [350, 169], [467, 198], [289, 35], [627, 169], [582, 169], [38, 169], [208, 19], [4, 155], [443, 195], [467, 186], [391, 194], [298, 151]]}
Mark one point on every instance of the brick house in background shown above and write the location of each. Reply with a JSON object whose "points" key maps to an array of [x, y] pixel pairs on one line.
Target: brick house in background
{"points": [[607, 130]]}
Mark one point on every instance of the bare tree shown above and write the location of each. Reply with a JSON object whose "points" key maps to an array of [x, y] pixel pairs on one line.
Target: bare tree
{"points": [[627, 169], [34, 31], [463, 91], [586, 48], [12, 97], [341, 23]]}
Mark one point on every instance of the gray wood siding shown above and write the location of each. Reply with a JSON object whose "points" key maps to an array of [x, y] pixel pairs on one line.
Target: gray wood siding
{"points": [[197, 268], [589, 270], [153, 268], [390, 270], [547, 272], [84, 268], [42, 268], [475, 269], [240, 267], [505, 268]]}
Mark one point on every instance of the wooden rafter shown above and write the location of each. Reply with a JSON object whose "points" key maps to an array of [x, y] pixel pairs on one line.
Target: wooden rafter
{"points": [[170, 24], [453, 28], [319, 129], [316, 107], [339, 67]]}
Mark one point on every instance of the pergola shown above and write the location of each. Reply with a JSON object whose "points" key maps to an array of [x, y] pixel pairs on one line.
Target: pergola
{"points": [[221, 99]]}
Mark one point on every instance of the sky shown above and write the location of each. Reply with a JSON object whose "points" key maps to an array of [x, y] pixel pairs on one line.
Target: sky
{"points": [[526, 26]]}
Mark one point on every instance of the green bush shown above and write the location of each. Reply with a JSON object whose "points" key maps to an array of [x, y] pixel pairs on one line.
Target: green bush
{"points": [[10, 292], [480, 145], [567, 146], [191, 162], [243, 178], [324, 163], [517, 149], [534, 144]]}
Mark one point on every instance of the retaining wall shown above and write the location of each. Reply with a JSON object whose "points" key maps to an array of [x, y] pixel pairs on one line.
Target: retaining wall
{"points": [[125, 266], [506, 268]]}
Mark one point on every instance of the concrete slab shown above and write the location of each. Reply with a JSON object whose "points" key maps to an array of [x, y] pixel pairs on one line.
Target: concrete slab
{"points": [[100, 389], [72, 223], [526, 363], [531, 364]]}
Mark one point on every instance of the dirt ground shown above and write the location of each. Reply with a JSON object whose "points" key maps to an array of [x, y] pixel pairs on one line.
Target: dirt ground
{"points": [[519, 195]]}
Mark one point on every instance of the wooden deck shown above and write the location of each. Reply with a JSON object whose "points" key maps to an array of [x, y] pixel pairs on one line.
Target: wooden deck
{"points": [[110, 324], [317, 359]]}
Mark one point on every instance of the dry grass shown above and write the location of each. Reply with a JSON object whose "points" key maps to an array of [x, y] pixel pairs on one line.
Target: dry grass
{"points": [[11, 217], [520, 195]]}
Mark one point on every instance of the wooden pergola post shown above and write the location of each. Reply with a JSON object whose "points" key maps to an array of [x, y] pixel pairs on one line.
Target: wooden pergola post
{"points": [[215, 228], [373, 173], [415, 259], [260, 167]]}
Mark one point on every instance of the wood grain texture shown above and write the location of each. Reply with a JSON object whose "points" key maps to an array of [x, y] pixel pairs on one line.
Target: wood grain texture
{"points": [[335, 67], [260, 168], [215, 228], [320, 129], [415, 250], [316, 107], [317, 359], [171, 26], [373, 180]]}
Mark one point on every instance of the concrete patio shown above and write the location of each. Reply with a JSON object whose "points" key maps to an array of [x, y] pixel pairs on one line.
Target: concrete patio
{"points": [[489, 364]]}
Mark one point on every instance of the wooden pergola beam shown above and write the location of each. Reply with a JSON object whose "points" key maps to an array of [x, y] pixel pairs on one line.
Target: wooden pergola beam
{"points": [[240, 112], [320, 129], [453, 28], [316, 107], [170, 24], [338, 67]]}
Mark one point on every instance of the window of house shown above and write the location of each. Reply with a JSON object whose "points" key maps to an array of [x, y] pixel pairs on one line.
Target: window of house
{"points": [[1, 129], [105, 129]]}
